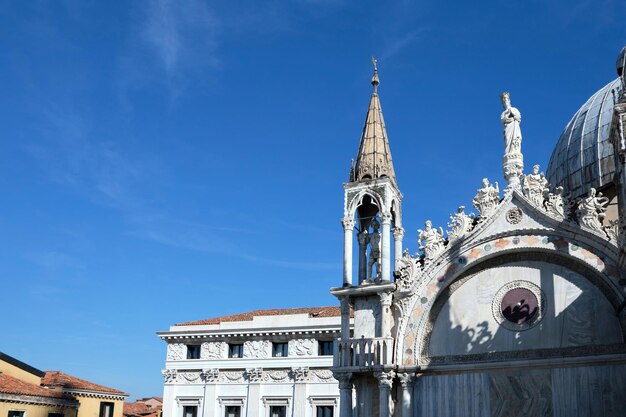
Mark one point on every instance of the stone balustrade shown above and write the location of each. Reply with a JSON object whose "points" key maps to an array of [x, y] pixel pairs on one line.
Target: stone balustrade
{"points": [[363, 353]]}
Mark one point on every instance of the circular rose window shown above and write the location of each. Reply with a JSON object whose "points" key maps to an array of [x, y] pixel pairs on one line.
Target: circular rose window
{"points": [[518, 305]]}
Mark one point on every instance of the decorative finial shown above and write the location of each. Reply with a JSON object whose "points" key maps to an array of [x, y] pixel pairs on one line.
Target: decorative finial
{"points": [[375, 80]]}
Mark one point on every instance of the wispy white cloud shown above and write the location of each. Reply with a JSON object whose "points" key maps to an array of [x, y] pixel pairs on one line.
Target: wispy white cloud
{"points": [[53, 260], [307, 265], [182, 35], [396, 44]]}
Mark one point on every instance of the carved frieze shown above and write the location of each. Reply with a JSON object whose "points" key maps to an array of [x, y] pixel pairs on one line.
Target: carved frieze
{"points": [[255, 375], [176, 351], [188, 376], [302, 347], [213, 350], [210, 375], [169, 375], [300, 374], [232, 376], [256, 349]]}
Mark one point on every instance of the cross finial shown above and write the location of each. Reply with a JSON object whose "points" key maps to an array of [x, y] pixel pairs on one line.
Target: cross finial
{"points": [[375, 80]]}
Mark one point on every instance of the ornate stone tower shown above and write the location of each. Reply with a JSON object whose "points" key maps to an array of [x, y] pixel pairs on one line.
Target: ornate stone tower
{"points": [[372, 216], [619, 141]]}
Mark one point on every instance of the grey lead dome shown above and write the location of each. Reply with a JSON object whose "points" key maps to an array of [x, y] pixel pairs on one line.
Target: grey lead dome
{"points": [[584, 156]]}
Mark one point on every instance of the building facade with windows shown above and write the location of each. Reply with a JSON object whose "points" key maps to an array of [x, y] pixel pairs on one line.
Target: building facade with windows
{"points": [[28, 392], [265, 363]]}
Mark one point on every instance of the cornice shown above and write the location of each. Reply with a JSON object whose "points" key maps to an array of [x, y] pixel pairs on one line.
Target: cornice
{"points": [[38, 400]]}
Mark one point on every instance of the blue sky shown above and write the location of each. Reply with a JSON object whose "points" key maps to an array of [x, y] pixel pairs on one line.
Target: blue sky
{"points": [[168, 161]]}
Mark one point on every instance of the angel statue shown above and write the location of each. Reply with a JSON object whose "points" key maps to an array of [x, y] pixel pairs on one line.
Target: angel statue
{"points": [[592, 209], [430, 241], [487, 199]]}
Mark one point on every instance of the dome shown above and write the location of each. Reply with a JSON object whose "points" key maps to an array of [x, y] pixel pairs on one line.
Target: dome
{"points": [[584, 156]]}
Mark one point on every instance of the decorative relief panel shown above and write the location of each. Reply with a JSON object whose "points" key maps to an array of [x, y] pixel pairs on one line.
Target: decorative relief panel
{"points": [[176, 351], [256, 349], [252, 375], [302, 347], [213, 350]]}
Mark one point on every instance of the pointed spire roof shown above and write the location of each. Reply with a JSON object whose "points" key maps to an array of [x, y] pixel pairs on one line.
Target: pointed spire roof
{"points": [[374, 158]]}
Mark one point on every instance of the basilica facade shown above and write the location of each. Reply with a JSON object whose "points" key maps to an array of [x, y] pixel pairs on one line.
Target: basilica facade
{"points": [[515, 310]]}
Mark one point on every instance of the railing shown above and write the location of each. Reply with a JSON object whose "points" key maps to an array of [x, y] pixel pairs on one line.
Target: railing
{"points": [[363, 353]]}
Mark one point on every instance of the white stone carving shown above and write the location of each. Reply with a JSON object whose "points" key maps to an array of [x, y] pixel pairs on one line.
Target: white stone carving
{"points": [[278, 375], [302, 347], [321, 375], [255, 374], [188, 376], [408, 267], [536, 187], [213, 350], [233, 376], [300, 374], [591, 210], [487, 199], [176, 351], [210, 375], [514, 215], [430, 241], [612, 231], [169, 375], [460, 224], [513, 160], [256, 349], [557, 204]]}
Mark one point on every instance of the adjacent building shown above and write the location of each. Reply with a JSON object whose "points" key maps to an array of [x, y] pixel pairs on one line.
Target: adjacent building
{"points": [[265, 363], [28, 392]]}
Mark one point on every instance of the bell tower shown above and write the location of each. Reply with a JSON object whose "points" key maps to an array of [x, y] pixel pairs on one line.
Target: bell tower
{"points": [[372, 203], [372, 216]]}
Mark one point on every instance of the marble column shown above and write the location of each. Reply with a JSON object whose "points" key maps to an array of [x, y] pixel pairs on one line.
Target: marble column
{"points": [[345, 393], [254, 391], [385, 264], [385, 382], [385, 317], [345, 317], [406, 391], [210, 377], [398, 234], [348, 227]]}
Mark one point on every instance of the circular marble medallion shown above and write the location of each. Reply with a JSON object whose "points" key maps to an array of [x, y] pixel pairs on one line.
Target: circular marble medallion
{"points": [[519, 305]]}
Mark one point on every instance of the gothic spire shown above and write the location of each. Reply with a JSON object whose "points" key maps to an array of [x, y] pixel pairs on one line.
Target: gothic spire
{"points": [[374, 158]]}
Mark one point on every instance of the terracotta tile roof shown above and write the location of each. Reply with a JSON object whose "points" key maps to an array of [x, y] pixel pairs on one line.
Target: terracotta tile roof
{"points": [[140, 409], [11, 385], [332, 311], [63, 380]]}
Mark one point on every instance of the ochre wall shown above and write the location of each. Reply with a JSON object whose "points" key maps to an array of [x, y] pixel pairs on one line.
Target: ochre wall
{"points": [[11, 370], [90, 406], [36, 410]]}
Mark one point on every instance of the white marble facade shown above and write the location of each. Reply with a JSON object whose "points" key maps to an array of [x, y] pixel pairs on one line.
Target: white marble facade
{"points": [[258, 381]]}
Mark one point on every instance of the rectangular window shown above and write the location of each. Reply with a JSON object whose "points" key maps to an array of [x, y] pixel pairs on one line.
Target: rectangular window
{"points": [[233, 411], [55, 414], [190, 411], [325, 410], [16, 413], [106, 409], [235, 350], [279, 350], [278, 411], [326, 347], [193, 351]]}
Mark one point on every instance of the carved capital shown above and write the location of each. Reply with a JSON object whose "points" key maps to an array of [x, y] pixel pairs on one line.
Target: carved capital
{"points": [[344, 378], [169, 375], [398, 232], [255, 374], [385, 218], [385, 379], [385, 298], [300, 374], [348, 223], [210, 375], [406, 380]]}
